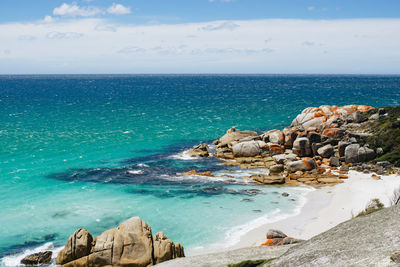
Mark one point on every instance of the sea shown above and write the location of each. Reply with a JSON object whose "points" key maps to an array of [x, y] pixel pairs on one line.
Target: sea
{"points": [[90, 151]]}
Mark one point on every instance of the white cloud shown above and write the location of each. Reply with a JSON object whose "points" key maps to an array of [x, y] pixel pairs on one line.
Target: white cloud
{"points": [[48, 19], [93, 45], [74, 10], [64, 35], [118, 9], [228, 25]]}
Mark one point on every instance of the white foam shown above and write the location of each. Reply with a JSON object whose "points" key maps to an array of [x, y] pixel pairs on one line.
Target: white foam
{"points": [[135, 172], [142, 165], [183, 156], [15, 259]]}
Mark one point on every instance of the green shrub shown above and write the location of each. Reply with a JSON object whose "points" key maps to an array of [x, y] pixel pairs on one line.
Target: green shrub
{"points": [[374, 205]]}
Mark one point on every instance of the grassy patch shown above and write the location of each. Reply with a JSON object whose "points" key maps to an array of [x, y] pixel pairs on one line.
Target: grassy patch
{"points": [[386, 134], [374, 205], [251, 263]]}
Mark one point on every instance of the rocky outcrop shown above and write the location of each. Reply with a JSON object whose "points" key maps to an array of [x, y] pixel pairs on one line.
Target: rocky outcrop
{"points": [[37, 258], [130, 244], [201, 150], [319, 139]]}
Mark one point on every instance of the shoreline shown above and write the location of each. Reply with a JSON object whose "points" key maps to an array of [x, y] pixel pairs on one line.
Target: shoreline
{"points": [[327, 207]]}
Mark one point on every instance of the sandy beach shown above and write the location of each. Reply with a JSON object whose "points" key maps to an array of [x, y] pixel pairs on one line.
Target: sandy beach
{"points": [[328, 206]]}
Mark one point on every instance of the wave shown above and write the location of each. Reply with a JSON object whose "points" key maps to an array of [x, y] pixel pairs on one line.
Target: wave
{"points": [[15, 259]]}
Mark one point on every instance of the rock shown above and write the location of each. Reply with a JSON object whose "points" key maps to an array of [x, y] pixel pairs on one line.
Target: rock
{"points": [[369, 154], [77, 246], [334, 162], [234, 135], [271, 234], [315, 147], [201, 150], [333, 132], [374, 117], [290, 240], [301, 146], [194, 172], [290, 136], [248, 149], [341, 147], [344, 168], [395, 257], [381, 111], [351, 153], [325, 151], [358, 117], [284, 194], [385, 164], [37, 258], [379, 151], [275, 149], [165, 249], [330, 180], [282, 158], [315, 123], [314, 137], [277, 168], [268, 179], [276, 137], [130, 244], [301, 165]]}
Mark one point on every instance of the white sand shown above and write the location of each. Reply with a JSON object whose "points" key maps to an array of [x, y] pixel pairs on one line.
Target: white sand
{"points": [[328, 207]]}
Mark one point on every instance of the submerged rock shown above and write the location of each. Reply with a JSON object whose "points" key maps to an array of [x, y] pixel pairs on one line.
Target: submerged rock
{"points": [[37, 258]]}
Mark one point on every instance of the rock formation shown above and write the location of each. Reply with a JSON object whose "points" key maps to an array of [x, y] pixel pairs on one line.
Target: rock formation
{"points": [[317, 140], [130, 244]]}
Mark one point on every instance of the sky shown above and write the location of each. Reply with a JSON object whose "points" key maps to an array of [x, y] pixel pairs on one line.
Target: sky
{"points": [[200, 36]]}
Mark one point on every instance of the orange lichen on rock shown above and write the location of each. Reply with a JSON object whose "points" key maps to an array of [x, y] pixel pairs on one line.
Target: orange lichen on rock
{"points": [[332, 132]]}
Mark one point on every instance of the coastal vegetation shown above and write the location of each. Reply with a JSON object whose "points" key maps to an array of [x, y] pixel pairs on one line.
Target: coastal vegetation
{"points": [[385, 133]]}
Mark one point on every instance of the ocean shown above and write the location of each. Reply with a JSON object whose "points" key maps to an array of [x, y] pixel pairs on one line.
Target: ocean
{"points": [[91, 151]]}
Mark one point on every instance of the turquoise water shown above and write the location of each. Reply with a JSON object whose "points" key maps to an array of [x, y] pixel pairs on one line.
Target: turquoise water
{"points": [[92, 151]]}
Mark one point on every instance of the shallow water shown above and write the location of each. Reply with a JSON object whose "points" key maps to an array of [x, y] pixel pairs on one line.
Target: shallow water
{"points": [[92, 151]]}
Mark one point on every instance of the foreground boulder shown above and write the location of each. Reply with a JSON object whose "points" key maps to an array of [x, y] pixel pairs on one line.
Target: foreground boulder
{"points": [[78, 245], [37, 258], [130, 244]]}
